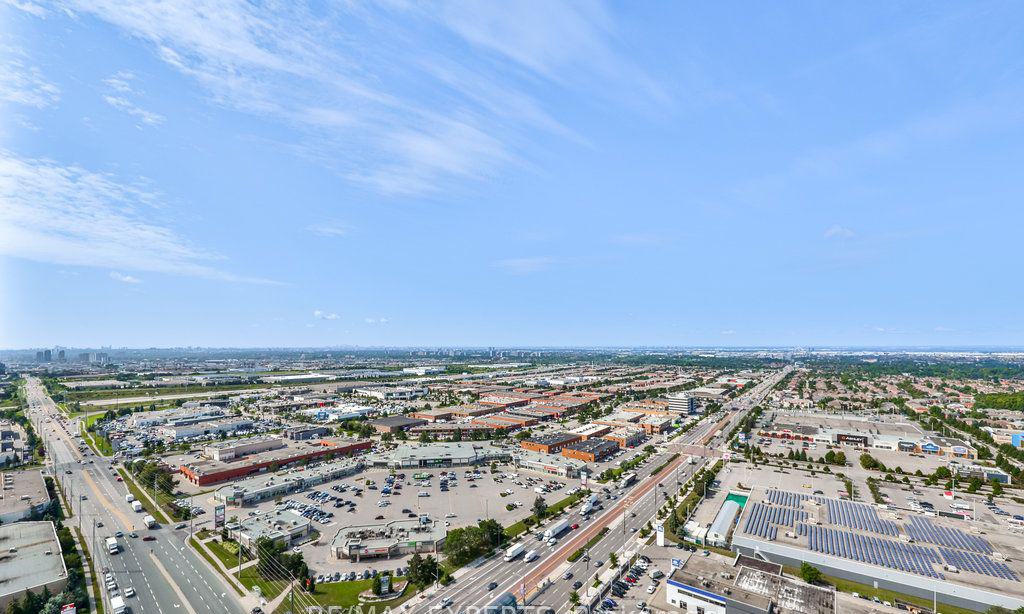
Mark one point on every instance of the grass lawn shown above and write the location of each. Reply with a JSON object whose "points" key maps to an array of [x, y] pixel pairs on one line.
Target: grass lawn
{"points": [[270, 588], [346, 595], [98, 444], [227, 552], [98, 600], [848, 586], [136, 490]]}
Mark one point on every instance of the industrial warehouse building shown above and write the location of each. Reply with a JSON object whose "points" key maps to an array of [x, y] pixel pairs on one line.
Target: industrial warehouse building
{"points": [[245, 457], [251, 491], [917, 555], [31, 561]]}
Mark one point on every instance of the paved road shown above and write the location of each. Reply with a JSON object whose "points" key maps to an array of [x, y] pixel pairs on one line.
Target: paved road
{"points": [[167, 575]]}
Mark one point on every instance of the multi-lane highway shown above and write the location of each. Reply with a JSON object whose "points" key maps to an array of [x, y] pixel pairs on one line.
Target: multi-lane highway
{"points": [[624, 514], [168, 577]]}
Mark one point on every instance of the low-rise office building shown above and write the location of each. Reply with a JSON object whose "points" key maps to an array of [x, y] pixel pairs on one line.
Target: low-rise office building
{"points": [[589, 431], [449, 430], [179, 432], [279, 526], [626, 437], [304, 432], [551, 464]]}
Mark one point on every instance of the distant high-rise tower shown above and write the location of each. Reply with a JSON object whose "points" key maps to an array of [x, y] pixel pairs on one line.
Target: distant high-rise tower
{"points": [[47, 356]]}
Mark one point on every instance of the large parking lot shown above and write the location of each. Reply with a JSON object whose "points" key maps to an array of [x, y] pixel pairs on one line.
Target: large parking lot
{"points": [[361, 500]]}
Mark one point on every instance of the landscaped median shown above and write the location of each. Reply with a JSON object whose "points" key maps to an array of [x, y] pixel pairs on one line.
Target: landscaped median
{"points": [[575, 556], [99, 445], [141, 496], [345, 595], [514, 530]]}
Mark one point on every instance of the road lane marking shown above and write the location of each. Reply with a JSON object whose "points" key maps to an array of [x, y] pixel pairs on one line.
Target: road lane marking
{"points": [[174, 585]]}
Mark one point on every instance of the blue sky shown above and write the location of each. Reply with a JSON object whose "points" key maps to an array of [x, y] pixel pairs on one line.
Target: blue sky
{"points": [[511, 173]]}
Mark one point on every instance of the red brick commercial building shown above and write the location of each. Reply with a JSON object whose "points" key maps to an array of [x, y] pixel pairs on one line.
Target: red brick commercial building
{"points": [[591, 450], [550, 443], [626, 437], [205, 472]]}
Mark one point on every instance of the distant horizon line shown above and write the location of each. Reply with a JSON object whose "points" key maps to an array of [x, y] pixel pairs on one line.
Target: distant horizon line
{"points": [[647, 348]]}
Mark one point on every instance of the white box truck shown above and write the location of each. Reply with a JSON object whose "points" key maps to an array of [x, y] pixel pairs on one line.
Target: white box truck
{"points": [[117, 605], [514, 551], [137, 506], [556, 529], [112, 546], [149, 521], [588, 505]]}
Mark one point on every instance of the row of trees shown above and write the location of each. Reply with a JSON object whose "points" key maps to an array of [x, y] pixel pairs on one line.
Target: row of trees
{"points": [[464, 544]]}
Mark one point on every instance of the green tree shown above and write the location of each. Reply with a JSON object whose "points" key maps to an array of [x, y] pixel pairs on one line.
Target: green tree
{"points": [[809, 573], [540, 507]]}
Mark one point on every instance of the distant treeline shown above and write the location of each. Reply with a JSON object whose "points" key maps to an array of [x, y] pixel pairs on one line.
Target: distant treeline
{"points": [[1000, 400], [988, 369]]}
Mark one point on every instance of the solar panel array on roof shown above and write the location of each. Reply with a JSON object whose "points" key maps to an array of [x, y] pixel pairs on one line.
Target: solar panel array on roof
{"points": [[789, 499], [859, 516], [764, 520], [978, 564], [869, 549], [924, 530]]}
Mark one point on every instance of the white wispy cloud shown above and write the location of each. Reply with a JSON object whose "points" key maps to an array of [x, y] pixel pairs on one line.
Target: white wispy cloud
{"points": [[330, 229], [69, 215], [728, 331], [121, 92], [525, 266], [127, 279], [320, 314], [373, 321], [838, 232], [369, 89], [23, 84]]}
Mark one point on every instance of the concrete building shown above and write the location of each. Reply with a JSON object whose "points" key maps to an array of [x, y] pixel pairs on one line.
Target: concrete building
{"points": [[176, 417], [394, 424], [421, 371], [591, 450], [251, 491], [626, 437], [551, 464], [683, 402], [747, 586], [397, 393], [549, 443], [24, 494], [304, 432], [30, 561], [204, 429], [721, 526], [448, 430], [230, 450], [428, 455], [280, 526], [589, 431], [394, 538], [654, 425], [437, 414]]}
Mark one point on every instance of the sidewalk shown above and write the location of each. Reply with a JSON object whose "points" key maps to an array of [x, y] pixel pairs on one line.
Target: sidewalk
{"points": [[226, 574]]}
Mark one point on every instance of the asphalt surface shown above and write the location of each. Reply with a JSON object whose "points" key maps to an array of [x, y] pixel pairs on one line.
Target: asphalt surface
{"points": [[167, 575]]}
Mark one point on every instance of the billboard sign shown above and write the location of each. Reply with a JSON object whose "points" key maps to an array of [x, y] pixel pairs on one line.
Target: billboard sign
{"points": [[218, 516]]}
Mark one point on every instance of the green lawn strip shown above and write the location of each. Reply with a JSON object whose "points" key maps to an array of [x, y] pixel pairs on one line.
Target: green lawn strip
{"points": [[133, 393], [575, 556], [659, 468], [99, 445], [849, 586], [213, 564], [97, 599], [270, 589], [227, 552], [136, 490], [514, 530], [346, 595]]}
